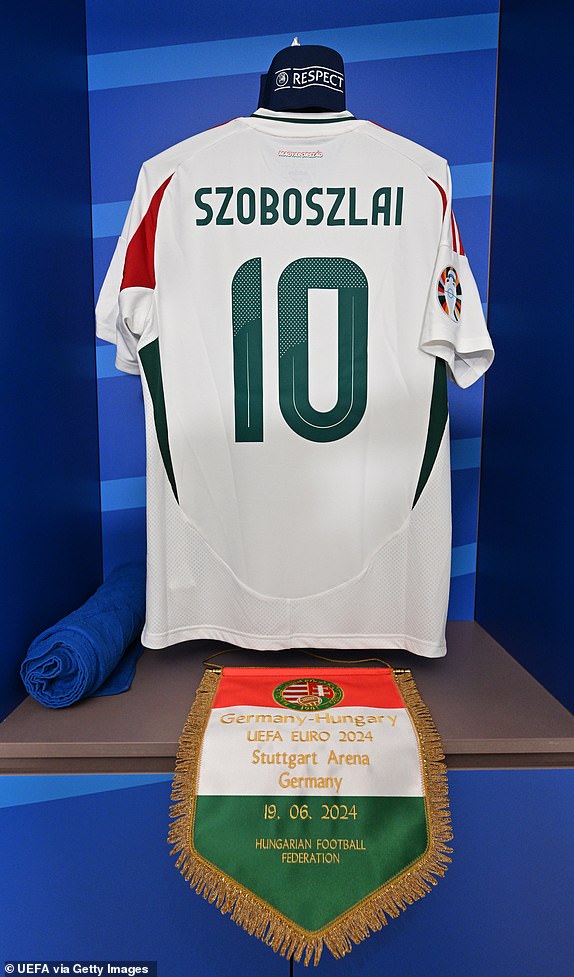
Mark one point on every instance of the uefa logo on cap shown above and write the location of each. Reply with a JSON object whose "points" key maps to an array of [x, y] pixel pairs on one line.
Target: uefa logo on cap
{"points": [[282, 79]]}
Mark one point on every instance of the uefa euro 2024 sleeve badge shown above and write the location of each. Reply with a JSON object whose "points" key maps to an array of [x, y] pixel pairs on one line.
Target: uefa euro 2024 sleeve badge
{"points": [[449, 292]]}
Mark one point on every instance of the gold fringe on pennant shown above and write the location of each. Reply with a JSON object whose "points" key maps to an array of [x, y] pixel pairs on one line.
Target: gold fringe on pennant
{"points": [[262, 920]]}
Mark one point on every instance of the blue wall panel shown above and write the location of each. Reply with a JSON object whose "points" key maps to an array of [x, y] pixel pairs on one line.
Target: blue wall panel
{"points": [[464, 488], [124, 536], [118, 25], [121, 427], [461, 594], [442, 101], [159, 116], [473, 218], [89, 877], [524, 593], [49, 490], [159, 74], [86, 874], [465, 411]]}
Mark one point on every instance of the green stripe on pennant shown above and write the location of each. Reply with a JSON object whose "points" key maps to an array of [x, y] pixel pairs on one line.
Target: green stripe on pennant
{"points": [[282, 848], [151, 362], [437, 423]]}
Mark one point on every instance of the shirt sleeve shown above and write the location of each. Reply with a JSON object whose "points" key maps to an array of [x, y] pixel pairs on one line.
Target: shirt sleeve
{"points": [[454, 328], [108, 326], [107, 309], [125, 302]]}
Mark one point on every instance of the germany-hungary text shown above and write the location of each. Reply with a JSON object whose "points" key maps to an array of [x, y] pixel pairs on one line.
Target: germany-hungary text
{"points": [[289, 718]]}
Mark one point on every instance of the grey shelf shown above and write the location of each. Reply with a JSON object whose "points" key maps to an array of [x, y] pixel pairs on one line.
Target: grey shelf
{"points": [[489, 710]]}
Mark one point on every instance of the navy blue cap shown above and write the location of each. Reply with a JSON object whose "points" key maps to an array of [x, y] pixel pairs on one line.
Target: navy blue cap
{"points": [[306, 77]]}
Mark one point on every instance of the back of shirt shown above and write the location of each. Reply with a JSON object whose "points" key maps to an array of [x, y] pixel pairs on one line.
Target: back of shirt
{"points": [[293, 292]]}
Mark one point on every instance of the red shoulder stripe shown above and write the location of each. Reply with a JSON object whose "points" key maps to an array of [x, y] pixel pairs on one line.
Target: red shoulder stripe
{"points": [[381, 127], [453, 233], [442, 194], [139, 267], [219, 124], [460, 245]]}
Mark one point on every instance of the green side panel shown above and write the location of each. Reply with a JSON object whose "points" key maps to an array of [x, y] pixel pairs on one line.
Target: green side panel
{"points": [[437, 423], [389, 833], [293, 303], [247, 318], [151, 362]]}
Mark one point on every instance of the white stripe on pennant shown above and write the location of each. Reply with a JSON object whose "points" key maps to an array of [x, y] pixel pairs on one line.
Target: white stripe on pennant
{"points": [[256, 750]]}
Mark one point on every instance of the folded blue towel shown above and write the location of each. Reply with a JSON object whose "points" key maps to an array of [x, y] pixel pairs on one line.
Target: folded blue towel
{"points": [[85, 653]]}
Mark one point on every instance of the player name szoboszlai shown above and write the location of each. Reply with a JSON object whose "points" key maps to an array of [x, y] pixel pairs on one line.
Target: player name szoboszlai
{"points": [[331, 206]]}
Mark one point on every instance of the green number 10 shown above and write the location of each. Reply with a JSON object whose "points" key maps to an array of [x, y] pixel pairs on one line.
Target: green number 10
{"points": [[293, 324]]}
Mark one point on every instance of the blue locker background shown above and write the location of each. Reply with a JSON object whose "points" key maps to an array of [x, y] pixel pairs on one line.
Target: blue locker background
{"points": [[524, 592], [50, 524], [159, 73]]}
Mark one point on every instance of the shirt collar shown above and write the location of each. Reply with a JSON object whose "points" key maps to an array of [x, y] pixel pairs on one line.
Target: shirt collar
{"points": [[303, 118]]}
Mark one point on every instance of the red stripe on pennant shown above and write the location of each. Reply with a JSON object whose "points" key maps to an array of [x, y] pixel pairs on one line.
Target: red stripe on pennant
{"points": [[139, 267], [368, 687]]}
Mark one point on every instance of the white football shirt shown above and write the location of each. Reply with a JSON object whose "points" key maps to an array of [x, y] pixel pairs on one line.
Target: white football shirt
{"points": [[293, 291]]}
